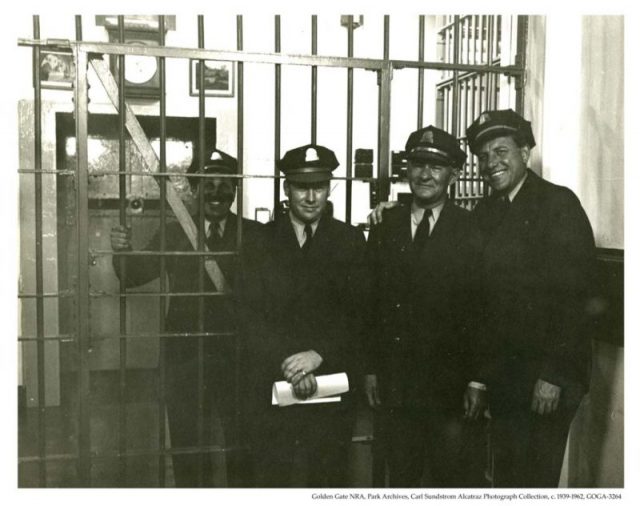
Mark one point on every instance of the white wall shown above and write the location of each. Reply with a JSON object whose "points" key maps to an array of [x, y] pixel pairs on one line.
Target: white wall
{"points": [[578, 97], [583, 123]]}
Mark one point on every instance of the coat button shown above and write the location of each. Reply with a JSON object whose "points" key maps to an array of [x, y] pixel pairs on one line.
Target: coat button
{"points": [[398, 306], [396, 339]]}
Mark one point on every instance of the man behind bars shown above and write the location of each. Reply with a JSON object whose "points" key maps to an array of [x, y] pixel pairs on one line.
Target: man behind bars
{"points": [[220, 355], [424, 262], [305, 316]]}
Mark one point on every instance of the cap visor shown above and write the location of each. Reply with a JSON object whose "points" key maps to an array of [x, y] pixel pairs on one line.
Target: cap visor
{"points": [[309, 177], [425, 156], [490, 134]]}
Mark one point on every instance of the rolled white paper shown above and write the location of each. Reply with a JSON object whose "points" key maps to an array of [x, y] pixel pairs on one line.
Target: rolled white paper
{"points": [[329, 386]]}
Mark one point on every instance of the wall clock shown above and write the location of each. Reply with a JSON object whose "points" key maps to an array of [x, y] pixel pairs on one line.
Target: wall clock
{"points": [[141, 73]]}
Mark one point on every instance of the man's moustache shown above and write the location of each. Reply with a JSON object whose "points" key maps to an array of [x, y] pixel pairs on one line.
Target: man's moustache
{"points": [[219, 198]]}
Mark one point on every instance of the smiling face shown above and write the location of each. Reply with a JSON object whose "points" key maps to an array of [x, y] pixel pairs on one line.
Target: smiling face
{"points": [[503, 163], [218, 194], [429, 181], [307, 201]]}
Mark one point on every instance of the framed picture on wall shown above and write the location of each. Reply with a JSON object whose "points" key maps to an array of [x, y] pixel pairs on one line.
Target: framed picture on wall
{"points": [[218, 78], [57, 70]]}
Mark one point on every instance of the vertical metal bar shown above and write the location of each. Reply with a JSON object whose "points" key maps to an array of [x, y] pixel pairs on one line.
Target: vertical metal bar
{"points": [[386, 38], [314, 80], [487, 61], [240, 133], [474, 82], [467, 32], [278, 118], [82, 294], [163, 264], [490, 76], [349, 121], [521, 60], [40, 351], [201, 237], [465, 108], [481, 31], [474, 28], [78, 22], [456, 57], [239, 203], [481, 85], [384, 118], [240, 200], [420, 71], [122, 190]]}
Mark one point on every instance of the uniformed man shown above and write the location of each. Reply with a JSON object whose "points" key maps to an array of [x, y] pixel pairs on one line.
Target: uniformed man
{"points": [[423, 258], [537, 261], [219, 361], [304, 320]]}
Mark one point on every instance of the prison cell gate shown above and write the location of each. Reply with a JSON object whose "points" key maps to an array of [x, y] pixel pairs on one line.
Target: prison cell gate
{"points": [[475, 74]]}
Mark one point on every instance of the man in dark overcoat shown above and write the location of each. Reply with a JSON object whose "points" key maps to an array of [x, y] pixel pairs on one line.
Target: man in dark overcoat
{"points": [[537, 262], [183, 316], [305, 315], [424, 259]]}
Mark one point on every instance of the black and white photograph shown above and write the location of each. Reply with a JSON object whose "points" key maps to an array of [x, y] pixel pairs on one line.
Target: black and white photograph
{"points": [[57, 70], [218, 78], [379, 257]]}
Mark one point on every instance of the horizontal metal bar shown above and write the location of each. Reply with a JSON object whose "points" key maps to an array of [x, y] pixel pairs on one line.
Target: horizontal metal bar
{"points": [[135, 453], [46, 295], [211, 54], [100, 294], [140, 253], [62, 339], [513, 70], [275, 58], [48, 458], [212, 175], [56, 172], [163, 335]]}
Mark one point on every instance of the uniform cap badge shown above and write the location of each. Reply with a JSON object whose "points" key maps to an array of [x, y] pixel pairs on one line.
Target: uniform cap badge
{"points": [[311, 155], [484, 117], [427, 137]]}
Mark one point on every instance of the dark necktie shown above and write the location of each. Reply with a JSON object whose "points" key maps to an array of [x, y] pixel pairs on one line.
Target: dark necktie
{"points": [[503, 205], [308, 234], [422, 231], [214, 235]]}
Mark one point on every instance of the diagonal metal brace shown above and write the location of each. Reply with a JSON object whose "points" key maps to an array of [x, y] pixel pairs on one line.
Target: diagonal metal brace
{"points": [[152, 164]]}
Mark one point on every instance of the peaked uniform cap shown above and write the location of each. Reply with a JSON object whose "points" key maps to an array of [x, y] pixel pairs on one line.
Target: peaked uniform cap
{"points": [[215, 162], [434, 144], [311, 163], [498, 123]]}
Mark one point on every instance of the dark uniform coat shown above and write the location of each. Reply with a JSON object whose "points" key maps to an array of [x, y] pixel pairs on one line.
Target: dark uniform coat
{"points": [[219, 357], [422, 335], [538, 260], [301, 303], [294, 303]]}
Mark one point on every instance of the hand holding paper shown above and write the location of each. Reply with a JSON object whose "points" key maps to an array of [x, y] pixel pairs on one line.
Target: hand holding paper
{"points": [[328, 390]]}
